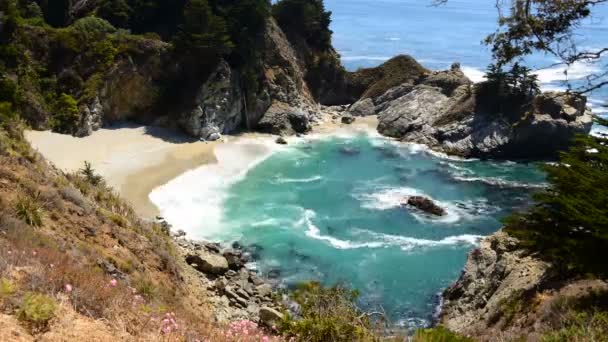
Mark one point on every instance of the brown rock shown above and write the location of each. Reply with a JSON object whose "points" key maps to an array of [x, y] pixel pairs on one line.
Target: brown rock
{"points": [[426, 205]]}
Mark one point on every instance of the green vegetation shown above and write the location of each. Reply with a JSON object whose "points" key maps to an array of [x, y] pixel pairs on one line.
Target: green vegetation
{"points": [[66, 117], [569, 224], [90, 175], [305, 18], [328, 314], [29, 210], [439, 334], [37, 309], [7, 287]]}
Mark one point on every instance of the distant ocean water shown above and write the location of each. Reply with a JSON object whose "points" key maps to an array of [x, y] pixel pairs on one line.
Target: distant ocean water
{"points": [[366, 33]]}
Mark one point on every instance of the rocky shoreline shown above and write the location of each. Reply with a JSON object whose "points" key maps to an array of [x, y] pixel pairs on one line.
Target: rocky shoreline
{"points": [[234, 291]]}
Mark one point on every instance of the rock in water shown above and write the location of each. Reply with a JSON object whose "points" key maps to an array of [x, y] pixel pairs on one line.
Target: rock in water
{"points": [[281, 141], [426, 205], [348, 119], [269, 316], [208, 263]]}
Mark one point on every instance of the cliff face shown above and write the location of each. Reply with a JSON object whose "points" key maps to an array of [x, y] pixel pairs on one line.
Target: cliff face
{"points": [[505, 293], [221, 104]]}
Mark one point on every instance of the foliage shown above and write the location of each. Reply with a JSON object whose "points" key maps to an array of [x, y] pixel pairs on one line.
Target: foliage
{"points": [[7, 287], [579, 319], [307, 18], [37, 309], [90, 175], [67, 115], [439, 334], [117, 12], [29, 210], [91, 29], [569, 224], [328, 314], [202, 33], [508, 92]]}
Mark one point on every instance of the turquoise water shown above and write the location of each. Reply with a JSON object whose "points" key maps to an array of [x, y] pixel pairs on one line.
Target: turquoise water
{"points": [[330, 210]]}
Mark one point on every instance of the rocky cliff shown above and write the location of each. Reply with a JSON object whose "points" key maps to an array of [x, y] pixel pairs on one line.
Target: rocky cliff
{"points": [[505, 294], [447, 112]]}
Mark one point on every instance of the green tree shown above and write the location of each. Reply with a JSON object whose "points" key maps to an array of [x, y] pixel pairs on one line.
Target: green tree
{"points": [[569, 224], [202, 33], [66, 116], [306, 18], [117, 12]]}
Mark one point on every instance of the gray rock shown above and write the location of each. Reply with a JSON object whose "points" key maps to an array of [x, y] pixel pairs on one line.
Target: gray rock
{"points": [[426, 205], [283, 119], [364, 107], [208, 263], [264, 290], [494, 273], [456, 125], [234, 257], [269, 316], [218, 105], [347, 119], [281, 141]]}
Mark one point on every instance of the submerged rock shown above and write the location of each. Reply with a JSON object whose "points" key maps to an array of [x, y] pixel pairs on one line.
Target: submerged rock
{"points": [[426, 205]]}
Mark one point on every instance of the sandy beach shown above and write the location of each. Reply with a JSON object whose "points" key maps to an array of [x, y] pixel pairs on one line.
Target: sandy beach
{"points": [[137, 159]]}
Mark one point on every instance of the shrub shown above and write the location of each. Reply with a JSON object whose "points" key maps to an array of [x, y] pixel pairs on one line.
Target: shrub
{"points": [[66, 117], [439, 334], [89, 173], [29, 210], [146, 288], [328, 314], [90, 29], [7, 287], [37, 309]]}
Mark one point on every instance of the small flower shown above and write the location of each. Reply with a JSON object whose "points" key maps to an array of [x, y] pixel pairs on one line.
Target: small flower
{"points": [[113, 282], [68, 288]]}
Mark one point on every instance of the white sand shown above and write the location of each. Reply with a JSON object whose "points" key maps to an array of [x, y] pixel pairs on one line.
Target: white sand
{"points": [[135, 160]]}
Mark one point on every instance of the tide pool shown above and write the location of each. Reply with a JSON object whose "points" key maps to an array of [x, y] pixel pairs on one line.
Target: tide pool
{"points": [[331, 210]]}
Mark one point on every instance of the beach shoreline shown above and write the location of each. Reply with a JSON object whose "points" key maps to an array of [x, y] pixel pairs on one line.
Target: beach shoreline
{"points": [[136, 160]]}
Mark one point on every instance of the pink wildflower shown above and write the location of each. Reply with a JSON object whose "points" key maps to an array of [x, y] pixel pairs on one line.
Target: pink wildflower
{"points": [[113, 282], [68, 288]]}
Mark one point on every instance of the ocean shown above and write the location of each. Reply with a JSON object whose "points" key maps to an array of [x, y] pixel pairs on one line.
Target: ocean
{"points": [[329, 208]]}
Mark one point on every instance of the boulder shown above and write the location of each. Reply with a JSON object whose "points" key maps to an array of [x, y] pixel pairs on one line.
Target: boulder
{"points": [[208, 263], [283, 119], [426, 205], [281, 141], [234, 258], [347, 119], [270, 317], [364, 107]]}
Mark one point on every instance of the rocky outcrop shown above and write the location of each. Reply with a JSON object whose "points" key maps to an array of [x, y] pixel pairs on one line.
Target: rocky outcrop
{"points": [[234, 292], [496, 273], [219, 105], [444, 111], [284, 119], [426, 205]]}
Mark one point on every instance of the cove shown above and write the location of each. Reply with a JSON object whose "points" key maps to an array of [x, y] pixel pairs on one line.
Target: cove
{"points": [[329, 209]]}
